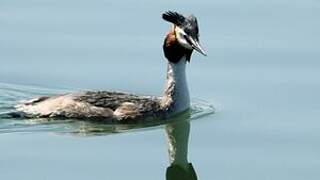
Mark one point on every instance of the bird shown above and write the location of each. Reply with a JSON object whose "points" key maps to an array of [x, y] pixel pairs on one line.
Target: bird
{"points": [[178, 46]]}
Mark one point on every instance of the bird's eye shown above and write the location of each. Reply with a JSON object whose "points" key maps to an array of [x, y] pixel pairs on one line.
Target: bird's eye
{"points": [[185, 36], [187, 39]]}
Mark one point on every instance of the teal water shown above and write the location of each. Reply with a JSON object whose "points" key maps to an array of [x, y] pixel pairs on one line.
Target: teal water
{"points": [[261, 76]]}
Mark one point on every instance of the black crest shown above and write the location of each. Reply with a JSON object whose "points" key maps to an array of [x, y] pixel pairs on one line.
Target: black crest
{"points": [[188, 24], [174, 18]]}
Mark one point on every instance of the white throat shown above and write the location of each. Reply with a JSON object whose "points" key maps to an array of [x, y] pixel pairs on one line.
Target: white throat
{"points": [[176, 90]]}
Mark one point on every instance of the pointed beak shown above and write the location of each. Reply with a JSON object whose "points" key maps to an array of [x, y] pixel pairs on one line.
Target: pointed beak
{"points": [[196, 46]]}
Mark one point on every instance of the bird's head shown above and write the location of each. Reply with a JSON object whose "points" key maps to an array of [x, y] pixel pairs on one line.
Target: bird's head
{"points": [[186, 30]]}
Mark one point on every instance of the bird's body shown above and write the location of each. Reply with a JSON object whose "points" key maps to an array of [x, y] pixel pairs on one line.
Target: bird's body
{"points": [[98, 105], [117, 106]]}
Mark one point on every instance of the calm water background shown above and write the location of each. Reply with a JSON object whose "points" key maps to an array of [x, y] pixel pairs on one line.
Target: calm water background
{"points": [[262, 75]]}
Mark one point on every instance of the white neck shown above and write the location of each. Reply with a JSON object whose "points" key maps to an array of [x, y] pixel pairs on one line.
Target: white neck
{"points": [[178, 137], [176, 90]]}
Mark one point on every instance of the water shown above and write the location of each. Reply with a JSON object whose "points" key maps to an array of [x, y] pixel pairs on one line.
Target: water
{"points": [[261, 75]]}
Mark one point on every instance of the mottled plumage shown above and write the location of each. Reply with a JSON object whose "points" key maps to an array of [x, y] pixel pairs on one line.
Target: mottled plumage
{"points": [[110, 106], [121, 102]]}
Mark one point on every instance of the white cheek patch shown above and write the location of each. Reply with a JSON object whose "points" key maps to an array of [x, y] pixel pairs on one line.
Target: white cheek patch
{"points": [[181, 39]]}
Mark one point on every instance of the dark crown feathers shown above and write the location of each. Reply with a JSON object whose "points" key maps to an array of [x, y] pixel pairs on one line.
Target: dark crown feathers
{"points": [[189, 24]]}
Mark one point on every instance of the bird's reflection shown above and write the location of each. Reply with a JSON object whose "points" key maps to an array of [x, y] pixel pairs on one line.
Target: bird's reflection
{"points": [[177, 130], [177, 133]]}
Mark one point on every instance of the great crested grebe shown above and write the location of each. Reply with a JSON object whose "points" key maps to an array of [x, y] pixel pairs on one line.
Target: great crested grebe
{"points": [[178, 46]]}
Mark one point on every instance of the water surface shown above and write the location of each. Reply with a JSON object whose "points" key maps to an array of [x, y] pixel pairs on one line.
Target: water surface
{"points": [[261, 75]]}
